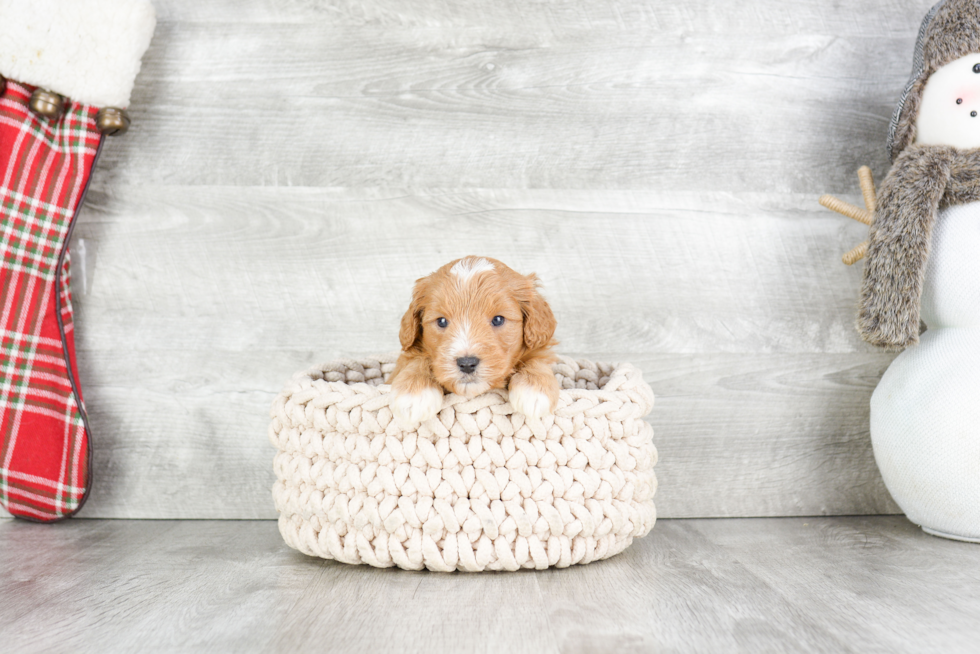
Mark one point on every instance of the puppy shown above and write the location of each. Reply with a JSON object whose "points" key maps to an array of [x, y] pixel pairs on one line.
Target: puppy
{"points": [[474, 325]]}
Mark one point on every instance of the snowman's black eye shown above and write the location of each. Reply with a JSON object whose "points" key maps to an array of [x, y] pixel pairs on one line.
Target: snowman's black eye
{"points": [[959, 100], [442, 322], [497, 321], [976, 68]]}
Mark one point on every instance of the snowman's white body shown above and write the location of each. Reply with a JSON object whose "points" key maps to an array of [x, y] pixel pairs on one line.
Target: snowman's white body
{"points": [[925, 412]]}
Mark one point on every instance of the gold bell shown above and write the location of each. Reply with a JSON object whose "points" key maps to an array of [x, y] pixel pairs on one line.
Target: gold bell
{"points": [[112, 121], [47, 104]]}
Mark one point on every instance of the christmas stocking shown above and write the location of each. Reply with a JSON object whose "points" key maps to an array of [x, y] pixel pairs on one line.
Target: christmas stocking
{"points": [[66, 71]]}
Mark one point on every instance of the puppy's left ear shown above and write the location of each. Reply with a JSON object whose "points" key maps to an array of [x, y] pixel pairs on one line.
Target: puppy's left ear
{"points": [[539, 321]]}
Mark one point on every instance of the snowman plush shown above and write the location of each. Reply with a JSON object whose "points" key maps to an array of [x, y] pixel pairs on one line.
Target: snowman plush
{"points": [[923, 264]]}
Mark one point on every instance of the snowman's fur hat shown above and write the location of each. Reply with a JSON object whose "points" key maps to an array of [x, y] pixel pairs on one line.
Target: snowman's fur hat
{"points": [[949, 31], [922, 179]]}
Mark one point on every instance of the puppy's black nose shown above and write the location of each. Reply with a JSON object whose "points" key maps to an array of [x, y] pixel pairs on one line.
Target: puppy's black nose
{"points": [[467, 364]]}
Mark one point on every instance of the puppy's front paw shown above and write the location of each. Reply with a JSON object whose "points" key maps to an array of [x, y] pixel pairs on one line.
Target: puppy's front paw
{"points": [[412, 409], [530, 401]]}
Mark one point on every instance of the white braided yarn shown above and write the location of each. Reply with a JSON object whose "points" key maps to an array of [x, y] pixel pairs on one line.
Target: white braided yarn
{"points": [[478, 487]]}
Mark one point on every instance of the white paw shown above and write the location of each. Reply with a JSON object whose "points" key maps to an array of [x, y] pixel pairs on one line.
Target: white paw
{"points": [[411, 409], [530, 402]]}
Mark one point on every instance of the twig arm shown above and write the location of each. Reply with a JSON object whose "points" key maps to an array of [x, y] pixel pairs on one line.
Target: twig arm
{"points": [[865, 215], [856, 254], [867, 181], [847, 209]]}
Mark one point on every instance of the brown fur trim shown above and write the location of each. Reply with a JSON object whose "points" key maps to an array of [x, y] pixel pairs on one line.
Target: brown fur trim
{"points": [[952, 34], [908, 202], [964, 179], [905, 130]]}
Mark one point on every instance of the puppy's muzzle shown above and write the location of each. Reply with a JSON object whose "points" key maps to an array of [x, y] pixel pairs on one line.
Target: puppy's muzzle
{"points": [[467, 364]]}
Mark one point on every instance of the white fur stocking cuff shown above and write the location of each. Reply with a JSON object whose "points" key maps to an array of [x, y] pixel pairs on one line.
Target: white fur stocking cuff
{"points": [[86, 50]]}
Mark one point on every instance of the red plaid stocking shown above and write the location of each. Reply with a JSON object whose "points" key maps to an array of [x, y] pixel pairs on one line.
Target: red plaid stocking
{"points": [[44, 440], [88, 51]]}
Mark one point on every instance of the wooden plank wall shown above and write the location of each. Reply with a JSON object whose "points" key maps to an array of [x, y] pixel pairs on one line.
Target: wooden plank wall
{"points": [[294, 165]]}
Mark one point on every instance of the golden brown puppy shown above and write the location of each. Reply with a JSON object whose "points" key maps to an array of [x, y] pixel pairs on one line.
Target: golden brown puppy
{"points": [[474, 325]]}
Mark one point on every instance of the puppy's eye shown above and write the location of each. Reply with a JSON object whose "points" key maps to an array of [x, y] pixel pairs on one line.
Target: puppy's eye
{"points": [[442, 322], [497, 321]]}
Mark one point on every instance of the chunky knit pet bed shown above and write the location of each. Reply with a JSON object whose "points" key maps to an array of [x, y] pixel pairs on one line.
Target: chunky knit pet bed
{"points": [[476, 488]]}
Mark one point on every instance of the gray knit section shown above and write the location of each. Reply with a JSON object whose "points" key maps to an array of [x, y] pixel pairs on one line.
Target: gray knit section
{"points": [[918, 68]]}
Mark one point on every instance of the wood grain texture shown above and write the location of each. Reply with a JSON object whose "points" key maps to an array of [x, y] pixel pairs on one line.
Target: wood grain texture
{"points": [[861, 17], [625, 271], [581, 107], [294, 165], [205, 300], [737, 434], [874, 584]]}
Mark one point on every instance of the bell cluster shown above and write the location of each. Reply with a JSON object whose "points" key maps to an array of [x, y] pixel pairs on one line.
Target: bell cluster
{"points": [[49, 105]]}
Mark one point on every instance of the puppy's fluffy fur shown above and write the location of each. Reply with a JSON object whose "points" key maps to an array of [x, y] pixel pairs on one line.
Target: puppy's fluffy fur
{"points": [[474, 309]]}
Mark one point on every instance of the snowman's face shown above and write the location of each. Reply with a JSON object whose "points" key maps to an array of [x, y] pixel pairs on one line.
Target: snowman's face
{"points": [[949, 113]]}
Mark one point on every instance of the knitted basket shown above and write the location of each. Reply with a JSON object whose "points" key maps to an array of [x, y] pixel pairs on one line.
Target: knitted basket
{"points": [[478, 487]]}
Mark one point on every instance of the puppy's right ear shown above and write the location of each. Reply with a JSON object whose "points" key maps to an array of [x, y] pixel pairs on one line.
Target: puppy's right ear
{"points": [[411, 329]]}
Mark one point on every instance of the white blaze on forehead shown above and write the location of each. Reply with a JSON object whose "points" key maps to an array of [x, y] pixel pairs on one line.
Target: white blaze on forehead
{"points": [[466, 269]]}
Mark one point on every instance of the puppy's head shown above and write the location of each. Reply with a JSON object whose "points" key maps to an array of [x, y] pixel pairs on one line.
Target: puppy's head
{"points": [[474, 319]]}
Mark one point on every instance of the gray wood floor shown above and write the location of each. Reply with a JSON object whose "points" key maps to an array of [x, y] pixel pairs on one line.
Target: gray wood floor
{"points": [[294, 165], [872, 584]]}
